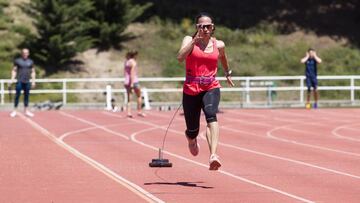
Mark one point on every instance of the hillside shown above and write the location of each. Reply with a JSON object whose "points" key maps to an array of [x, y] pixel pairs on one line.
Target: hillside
{"points": [[263, 49], [256, 52]]}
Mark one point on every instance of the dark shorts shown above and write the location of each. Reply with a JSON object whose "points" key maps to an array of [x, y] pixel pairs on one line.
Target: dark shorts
{"points": [[136, 85], [207, 101], [311, 82]]}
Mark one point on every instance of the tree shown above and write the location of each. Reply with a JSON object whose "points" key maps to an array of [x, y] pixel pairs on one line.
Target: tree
{"points": [[3, 18], [62, 31], [5, 21], [112, 17]]}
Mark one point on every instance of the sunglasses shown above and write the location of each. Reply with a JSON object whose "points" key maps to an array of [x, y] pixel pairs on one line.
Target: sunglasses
{"points": [[203, 26]]}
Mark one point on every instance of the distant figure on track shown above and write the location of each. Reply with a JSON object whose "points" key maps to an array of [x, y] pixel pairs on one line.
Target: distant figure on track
{"points": [[22, 71], [131, 82], [311, 60], [201, 90]]}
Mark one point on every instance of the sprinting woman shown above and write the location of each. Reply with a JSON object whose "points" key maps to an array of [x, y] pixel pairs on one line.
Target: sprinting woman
{"points": [[201, 90]]}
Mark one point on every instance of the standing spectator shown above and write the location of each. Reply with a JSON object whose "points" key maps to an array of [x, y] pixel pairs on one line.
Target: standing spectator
{"points": [[131, 82], [311, 60], [22, 71]]}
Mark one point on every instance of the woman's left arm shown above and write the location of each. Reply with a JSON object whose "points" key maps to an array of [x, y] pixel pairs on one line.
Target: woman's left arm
{"points": [[224, 62]]}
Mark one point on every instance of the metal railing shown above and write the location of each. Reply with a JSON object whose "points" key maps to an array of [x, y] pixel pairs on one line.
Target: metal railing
{"points": [[244, 85]]}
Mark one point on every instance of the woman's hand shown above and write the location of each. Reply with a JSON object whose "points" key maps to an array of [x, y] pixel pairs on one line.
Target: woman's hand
{"points": [[197, 38], [229, 80]]}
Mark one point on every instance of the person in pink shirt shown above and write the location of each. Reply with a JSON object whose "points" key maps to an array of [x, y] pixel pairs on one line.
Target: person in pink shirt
{"points": [[131, 82], [201, 90]]}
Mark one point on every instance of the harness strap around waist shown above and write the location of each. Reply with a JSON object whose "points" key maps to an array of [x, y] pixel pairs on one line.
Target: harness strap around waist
{"points": [[202, 80]]}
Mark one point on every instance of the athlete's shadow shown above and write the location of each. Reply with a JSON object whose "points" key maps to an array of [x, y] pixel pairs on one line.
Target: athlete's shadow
{"points": [[185, 184]]}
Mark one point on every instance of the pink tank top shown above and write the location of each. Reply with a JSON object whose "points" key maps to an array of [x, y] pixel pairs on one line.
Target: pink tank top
{"points": [[198, 64], [127, 72]]}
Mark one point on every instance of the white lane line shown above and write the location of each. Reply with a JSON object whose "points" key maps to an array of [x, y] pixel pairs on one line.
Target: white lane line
{"points": [[266, 154], [94, 124], [133, 138], [333, 132], [147, 123], [336, 134], [337, 114], [241, 131], [248, 122], [302, 122], [63, 136], [249, 114], [270, 135], [96, 165], [323, 117], [287, 159]]}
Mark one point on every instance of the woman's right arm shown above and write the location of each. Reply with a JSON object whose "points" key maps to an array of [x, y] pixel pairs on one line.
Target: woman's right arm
{"points": [[186, 48]]}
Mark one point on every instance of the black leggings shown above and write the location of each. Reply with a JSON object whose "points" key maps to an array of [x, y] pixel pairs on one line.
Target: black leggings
{"points": [[208, 101]]}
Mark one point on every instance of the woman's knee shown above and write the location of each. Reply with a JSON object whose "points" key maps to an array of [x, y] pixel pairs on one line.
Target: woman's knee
{"points": [[210, 111]]}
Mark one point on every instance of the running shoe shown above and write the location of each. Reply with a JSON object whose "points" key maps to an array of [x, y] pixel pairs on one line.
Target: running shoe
{"points": [[13, 114], [141, 114], [214, 162], [193, 146], [29, 114], [308, 106], [315, 106]]}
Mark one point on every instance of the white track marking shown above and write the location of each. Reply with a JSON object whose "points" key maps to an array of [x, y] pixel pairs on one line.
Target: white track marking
{"points": [[146, 123], [335, 133], [336, 114], [94, 124], [301, 121], [248, 122], [133, 138], [269, 134], [249, 114], [283, 158], [287, 159], [269, 155], [96, 165], [63, 136], [312, 116], [240, 131]]}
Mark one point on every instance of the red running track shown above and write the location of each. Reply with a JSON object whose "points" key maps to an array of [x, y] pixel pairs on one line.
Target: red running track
{"points": [[282, 155]]}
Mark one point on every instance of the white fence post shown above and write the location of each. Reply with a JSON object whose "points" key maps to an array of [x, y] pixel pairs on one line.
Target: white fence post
{"points": [[301, 90], [2, 90], [269, 96], [64, 92], [125, 99], [247, 90], [146, 98], [108, 97], [352, 89]]}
